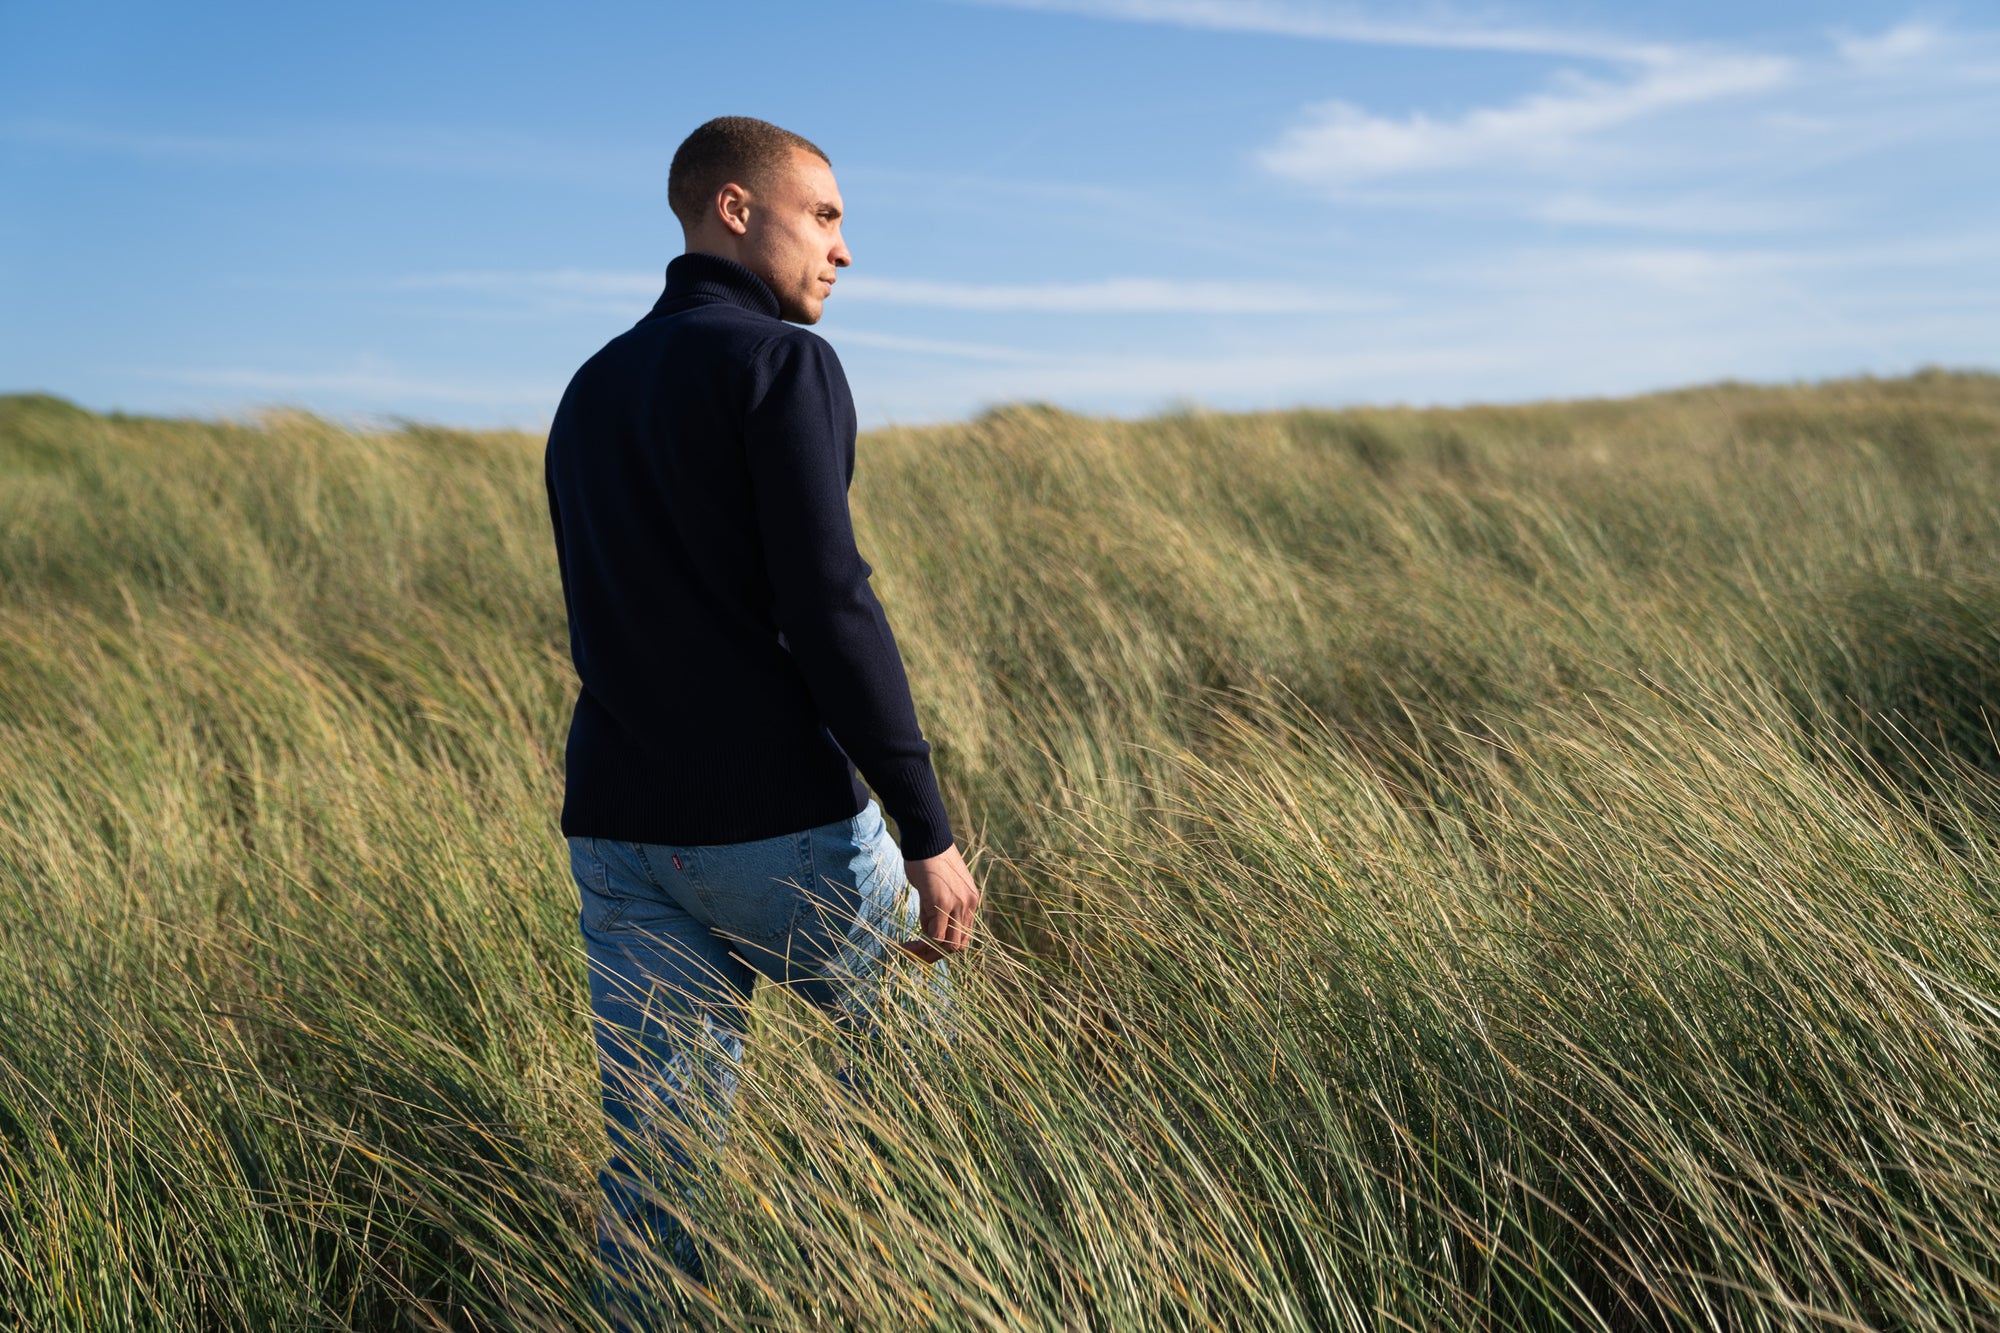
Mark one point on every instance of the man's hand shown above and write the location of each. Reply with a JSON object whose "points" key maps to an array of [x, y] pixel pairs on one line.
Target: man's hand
{"points": [[946, 900]]}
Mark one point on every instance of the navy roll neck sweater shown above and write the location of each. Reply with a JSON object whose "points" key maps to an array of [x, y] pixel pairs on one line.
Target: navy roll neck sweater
{"points": [[736, 666]]}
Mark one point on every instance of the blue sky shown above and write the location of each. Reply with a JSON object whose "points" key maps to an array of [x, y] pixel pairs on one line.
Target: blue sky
{"points": [[438, 211]]}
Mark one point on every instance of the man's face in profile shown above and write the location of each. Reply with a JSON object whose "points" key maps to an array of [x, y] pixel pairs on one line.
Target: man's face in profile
{"points": [[793, 239]]}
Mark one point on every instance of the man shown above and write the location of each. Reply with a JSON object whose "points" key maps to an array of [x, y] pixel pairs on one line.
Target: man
{"points": [[735, 668]]}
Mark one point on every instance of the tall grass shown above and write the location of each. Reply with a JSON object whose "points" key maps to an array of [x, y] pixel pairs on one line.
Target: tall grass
{"points": [[1501, 868]]}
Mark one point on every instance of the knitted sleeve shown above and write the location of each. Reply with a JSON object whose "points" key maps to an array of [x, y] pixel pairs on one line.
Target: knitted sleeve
{"points": [[799, 443]]}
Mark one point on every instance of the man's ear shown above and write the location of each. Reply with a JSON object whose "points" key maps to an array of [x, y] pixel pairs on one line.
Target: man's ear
{"points": [[732, 205]]}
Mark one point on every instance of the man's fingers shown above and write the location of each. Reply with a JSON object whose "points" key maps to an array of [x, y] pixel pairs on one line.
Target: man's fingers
{"points": [[948, 899], [958, 930], [946, 933], [947, 930]]}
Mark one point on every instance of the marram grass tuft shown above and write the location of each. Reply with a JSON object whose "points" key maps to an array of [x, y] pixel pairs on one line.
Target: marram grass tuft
{"points": [[1507, 868]]}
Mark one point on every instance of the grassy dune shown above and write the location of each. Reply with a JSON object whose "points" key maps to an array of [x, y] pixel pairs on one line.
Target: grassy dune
{"points": [[1503, 868]]}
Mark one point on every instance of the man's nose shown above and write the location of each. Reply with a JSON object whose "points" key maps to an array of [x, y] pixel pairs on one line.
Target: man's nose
{"points": [[841, 257]]}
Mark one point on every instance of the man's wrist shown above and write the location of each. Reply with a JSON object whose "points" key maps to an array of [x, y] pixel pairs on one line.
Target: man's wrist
{"points": [[909, 794]]}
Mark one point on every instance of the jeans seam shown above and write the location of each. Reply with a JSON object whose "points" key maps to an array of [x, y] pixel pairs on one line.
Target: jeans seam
{"points": [[878, 864], [808, 889], [600, 873], [811, 860]]}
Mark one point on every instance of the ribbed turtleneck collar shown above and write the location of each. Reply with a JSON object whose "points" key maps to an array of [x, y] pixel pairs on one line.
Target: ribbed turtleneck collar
{"points": [[698, 273]]}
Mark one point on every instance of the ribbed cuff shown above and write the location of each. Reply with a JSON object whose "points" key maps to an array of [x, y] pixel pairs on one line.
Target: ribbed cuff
{"points": [[910, 797]]}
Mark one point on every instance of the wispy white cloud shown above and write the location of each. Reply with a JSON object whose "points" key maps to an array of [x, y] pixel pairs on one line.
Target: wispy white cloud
{"points": [[366, 382], [1530, 323], [1645, 134], [1103, 296], [1267, 372], [1696, 267], [577, 282], [961, 351], [1435, 29], [1889, 48], [1509, 324], [1662, 136], [1698, 139], [1702, 212], [1340, 144], [1094, 296]]}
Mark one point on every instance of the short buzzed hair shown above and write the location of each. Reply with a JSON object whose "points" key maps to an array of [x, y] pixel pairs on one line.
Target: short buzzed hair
{"points": [[729, 148]]}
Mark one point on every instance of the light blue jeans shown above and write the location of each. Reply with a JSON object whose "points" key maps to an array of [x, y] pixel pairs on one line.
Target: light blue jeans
{"points": [[676, 938]]}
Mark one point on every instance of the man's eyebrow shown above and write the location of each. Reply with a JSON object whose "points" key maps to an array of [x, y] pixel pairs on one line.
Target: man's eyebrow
{"points": [[827, 206]]}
